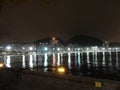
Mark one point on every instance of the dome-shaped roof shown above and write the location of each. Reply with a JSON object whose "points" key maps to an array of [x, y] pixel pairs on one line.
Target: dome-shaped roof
{"points": [[83, 40]]}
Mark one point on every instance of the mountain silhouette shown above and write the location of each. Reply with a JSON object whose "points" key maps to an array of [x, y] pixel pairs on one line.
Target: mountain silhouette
{"points": [[48, 40], [83, 40]]}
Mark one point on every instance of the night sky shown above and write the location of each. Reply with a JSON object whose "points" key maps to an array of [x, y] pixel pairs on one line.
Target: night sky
{"points": [[61, 18]]}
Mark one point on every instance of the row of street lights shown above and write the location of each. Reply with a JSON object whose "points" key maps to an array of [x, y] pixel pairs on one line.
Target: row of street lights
{"points": [[45, 49]]}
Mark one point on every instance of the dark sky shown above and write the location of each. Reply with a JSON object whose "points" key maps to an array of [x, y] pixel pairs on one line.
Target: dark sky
{"points": [[61, 18]]}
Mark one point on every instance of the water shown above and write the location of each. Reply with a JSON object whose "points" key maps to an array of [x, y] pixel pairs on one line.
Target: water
{"points": [[93, 64]]}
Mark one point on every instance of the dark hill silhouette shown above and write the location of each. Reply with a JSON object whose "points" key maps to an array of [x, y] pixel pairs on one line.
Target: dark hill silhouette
{"points": [[114, 44], [83, 40], [48, 40]]}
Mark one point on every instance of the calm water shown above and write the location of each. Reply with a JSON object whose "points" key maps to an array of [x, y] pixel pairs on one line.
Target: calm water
{"points": [[93, 64]]}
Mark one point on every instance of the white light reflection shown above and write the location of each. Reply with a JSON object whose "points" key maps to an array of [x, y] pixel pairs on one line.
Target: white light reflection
{"points": [[110, 58], [96, 62], [30, 48], [23, 61], [93, 57], [69, 60], [103, 62], [31, 62], [45, 48], [88, 60], [8, 47], [54, 59], [58, 57], [45, 62], [8, 62], [61, 58], [68, 49], [35, 60], [75, 59], [79, 59], [117, 61]]}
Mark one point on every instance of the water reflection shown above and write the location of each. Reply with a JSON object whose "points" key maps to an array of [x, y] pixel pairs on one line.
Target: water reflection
{"points": [[45, 60], [69, 61], [23, 61], [95, 59], [117, 61], [110, 58], [103, 62], [85, 63], [58, 58], [79, 60], [8, 61], [61, 58], [88, 60], [35, 60], [54, 60], [31, 62]]}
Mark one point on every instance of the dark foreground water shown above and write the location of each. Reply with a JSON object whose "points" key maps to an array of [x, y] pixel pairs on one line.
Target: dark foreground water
{"points": [[93, 72], [97, 65]]}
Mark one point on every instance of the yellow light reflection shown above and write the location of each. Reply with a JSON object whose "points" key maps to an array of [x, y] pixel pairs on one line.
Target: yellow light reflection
{"points": [[61, 70], [1, 65], [53, 38]]}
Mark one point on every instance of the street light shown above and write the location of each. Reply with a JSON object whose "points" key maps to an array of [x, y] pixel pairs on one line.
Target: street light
{"points": [[23, 48], [8, 48], [30, 48], [45, 48], [58, 49], [68, 49]]}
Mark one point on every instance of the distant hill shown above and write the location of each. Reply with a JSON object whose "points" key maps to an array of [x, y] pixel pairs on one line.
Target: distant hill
{"points": [[113, 44], [83, 40], [48, 40]]}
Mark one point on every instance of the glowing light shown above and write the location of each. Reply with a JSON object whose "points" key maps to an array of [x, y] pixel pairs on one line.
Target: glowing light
{"points": [[61, 70], [53, 38], [54, 59], [98, 84], [58, 57], [23, 48], [23, 61], [116, 48], [45, 62], [8, 47], [61, 58], [103, 49], [58, 49], [1, 65], [8, 61], [88, 60], [69, 60], [78, 49], [53, 48], [103, 62], [109, 48], [87, 49], [68, 49], [31, 62], [45, 48], [30, 48], [94, 48], [79, 59]]}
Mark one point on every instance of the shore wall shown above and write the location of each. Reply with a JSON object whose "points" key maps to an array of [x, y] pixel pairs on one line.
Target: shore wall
{"points": [[32, 80]]}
